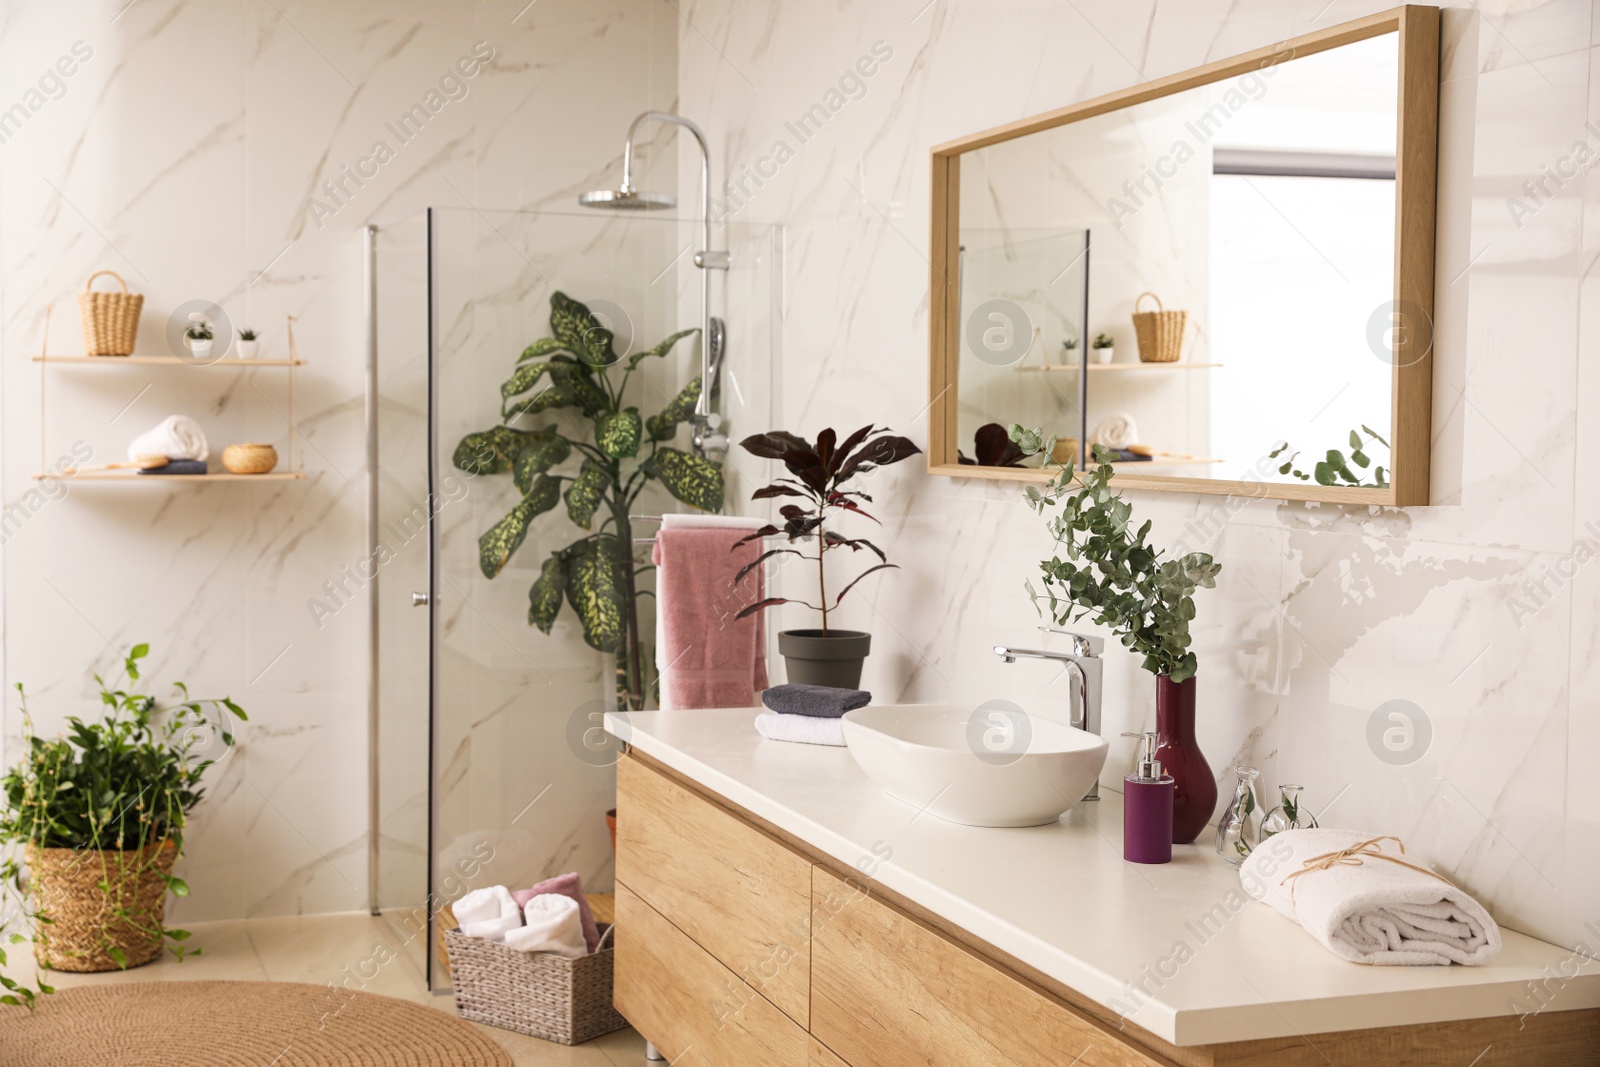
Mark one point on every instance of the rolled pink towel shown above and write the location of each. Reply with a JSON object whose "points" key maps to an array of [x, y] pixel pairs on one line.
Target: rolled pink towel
{"points": [[568, 885]]}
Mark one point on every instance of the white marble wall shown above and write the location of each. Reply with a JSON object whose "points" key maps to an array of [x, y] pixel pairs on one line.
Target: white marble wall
{"points": [[1323, 613], [182, 152]]}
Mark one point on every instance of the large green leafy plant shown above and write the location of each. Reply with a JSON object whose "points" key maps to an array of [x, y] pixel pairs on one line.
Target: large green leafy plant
{"points": [[576, 379], [1112, 575], [124, 784]]}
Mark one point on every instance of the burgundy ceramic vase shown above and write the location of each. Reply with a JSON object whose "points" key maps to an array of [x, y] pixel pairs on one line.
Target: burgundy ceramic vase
{"points": [[1195, 796]]}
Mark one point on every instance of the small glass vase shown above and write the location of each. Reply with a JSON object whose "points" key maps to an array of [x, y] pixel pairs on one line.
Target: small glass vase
{"points": [[1290, 814], [1239, 829]]}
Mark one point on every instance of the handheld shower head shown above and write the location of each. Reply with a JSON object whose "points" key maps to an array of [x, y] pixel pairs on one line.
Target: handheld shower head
{"points": [[626, 199]]}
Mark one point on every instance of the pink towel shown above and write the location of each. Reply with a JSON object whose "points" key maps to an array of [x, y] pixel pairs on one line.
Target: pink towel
{"points": [[709, 659], [567, 885]]}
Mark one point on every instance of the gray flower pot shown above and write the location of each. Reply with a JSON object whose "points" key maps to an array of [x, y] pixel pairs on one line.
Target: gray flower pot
{"points": [[835, 660]]}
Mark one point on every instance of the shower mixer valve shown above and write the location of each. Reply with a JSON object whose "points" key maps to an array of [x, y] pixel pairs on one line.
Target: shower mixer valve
{"points": [[707, 434]]}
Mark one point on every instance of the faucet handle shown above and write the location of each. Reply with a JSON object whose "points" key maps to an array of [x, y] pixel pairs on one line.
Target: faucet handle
{"points": [[1082, 644]]}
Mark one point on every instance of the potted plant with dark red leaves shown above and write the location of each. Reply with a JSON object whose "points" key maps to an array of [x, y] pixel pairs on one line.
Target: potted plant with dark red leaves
{"points": [[821, 474]]}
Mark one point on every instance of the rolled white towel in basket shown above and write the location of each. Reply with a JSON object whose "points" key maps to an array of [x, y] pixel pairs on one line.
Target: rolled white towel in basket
{"points": [[177, 437], [488, 913], [552, 926], [1367, 901]]}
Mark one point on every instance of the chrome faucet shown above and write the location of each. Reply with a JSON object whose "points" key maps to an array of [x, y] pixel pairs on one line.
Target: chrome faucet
{"points": [[1085, 663]]}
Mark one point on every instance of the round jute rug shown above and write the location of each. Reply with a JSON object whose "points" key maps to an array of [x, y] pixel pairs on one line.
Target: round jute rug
{"points": [[237, 1024]]}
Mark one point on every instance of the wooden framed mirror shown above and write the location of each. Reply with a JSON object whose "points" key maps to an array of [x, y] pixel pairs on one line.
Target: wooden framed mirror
{"points": [[1255, 240]]}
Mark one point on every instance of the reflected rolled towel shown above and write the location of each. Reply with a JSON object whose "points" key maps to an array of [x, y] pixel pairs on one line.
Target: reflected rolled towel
{"points": [[176, 437], [552, 926], [488, 913], [1366, 900], [801, 728], [1116, 430]]}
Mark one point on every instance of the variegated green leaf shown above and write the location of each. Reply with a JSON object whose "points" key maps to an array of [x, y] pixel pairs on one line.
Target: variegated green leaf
{"points": [[596, 590], [586, 492], [540, 349], [544, 596], [693, 479], [539, 456], [505, 537], [524, 378], [568, 386], [617, 434], [659, 350], [580, 332], [664, 426], [491, 451]]}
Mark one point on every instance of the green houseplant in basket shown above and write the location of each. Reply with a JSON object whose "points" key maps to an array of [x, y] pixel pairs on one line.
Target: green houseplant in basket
{"points": [[578, 382], [99, 813]]}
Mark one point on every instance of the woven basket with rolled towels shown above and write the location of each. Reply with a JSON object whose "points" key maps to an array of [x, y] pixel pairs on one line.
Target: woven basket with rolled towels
{"points": [[1367, 900]]}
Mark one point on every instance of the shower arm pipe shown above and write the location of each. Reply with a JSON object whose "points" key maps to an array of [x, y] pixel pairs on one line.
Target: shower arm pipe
{"points": [[705, 259]]}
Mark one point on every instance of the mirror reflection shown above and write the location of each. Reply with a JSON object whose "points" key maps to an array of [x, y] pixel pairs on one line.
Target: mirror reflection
{"points": [[1203, 282]]}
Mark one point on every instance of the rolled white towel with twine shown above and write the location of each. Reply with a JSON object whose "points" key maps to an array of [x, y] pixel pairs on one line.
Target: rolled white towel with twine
{"points": [[1117, 430], [1366, 900]]}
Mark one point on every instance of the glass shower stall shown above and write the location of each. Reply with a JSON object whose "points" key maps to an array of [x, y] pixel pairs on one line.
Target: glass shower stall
{"points": [[487, 762]]}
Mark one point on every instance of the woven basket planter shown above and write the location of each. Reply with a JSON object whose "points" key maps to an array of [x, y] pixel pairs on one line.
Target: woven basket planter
{"points": [[1160, 332], [249, 458], [541, 994], [88, 921], [110, 320]]}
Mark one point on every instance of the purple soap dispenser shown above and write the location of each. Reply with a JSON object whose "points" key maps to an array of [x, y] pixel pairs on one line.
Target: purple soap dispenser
{"points": [[1147, 797]]}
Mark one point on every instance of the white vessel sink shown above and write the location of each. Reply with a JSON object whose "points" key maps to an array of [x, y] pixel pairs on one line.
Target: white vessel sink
{"points": [[990, 765]]}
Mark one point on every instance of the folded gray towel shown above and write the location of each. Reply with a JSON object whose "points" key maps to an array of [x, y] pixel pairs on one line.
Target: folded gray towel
{"points": [[179, 466], [817, 701]]}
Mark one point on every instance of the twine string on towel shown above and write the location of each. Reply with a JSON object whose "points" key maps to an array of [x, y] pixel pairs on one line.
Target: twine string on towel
{"points": [[1357, 855]]}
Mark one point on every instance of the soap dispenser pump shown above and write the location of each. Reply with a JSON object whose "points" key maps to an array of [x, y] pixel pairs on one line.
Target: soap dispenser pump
{"points": [[1147, 797]]}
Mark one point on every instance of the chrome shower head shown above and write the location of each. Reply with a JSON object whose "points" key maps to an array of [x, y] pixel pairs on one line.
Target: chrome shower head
{"points": [[626, 199]]}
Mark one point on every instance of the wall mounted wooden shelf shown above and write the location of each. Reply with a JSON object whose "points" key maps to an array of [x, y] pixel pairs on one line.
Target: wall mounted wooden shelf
{"points": [[134, 476], [168, 361], [1099, 368]]}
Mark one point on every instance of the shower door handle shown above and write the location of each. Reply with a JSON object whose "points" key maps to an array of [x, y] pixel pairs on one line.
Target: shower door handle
{"points": [[419, 600]]}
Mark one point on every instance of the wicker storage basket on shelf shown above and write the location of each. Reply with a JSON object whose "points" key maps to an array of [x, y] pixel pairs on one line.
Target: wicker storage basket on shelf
{"points": [[1160, 332], [86, 921], [542, 994], [110, 320], [249, 458]]}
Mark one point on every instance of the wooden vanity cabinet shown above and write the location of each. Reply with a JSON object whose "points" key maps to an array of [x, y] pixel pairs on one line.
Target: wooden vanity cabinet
{"points": [[738, 946]]}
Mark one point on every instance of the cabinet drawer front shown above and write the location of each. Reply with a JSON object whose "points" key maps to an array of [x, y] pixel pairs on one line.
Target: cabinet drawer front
{"points": [[888, 992], [742, 896], [690, 1005]]}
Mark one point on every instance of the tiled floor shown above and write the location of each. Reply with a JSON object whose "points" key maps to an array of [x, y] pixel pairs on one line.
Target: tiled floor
{"points": [[335, 948]]}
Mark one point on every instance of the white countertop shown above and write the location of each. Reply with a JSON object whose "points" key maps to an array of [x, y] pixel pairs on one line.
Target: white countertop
{"points": [[1132, 937]]}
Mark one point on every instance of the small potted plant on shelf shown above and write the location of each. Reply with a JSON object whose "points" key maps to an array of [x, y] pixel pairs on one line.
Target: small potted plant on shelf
{"points": [[1069, 352], [1112, 576], [197, 338], [100, 815], [821, 473], [249, 342], [1104, 350]]}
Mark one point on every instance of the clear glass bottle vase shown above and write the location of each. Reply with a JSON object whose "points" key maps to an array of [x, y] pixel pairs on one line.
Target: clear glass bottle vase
{"points": [[1239, 829], [1290, 814]]}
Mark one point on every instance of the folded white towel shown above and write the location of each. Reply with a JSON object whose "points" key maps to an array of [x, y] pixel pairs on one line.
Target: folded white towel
{"points": [[177, 437], [803, 728], [553, 925], [1367, 901], [487, 913]]}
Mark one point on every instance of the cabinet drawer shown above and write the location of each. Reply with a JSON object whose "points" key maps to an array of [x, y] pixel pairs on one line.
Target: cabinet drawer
{"points": [[888, 992], [741, 895], [684, 1001]]}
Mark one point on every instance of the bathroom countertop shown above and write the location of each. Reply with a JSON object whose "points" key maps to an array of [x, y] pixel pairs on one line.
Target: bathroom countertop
{"points": [[1177, 948]]}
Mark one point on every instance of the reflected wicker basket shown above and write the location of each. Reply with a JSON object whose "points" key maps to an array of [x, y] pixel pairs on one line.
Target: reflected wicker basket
{"points": [[1160, 332]]}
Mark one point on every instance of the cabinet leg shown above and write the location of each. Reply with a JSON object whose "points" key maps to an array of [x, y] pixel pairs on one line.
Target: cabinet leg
{"points": [[651, 1054]]}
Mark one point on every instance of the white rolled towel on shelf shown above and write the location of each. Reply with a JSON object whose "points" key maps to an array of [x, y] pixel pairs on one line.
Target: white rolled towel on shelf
{"points": [[806, 729], [1117, 430], [487, 913], [177, 437], [1366, 900], [553, 925]]}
